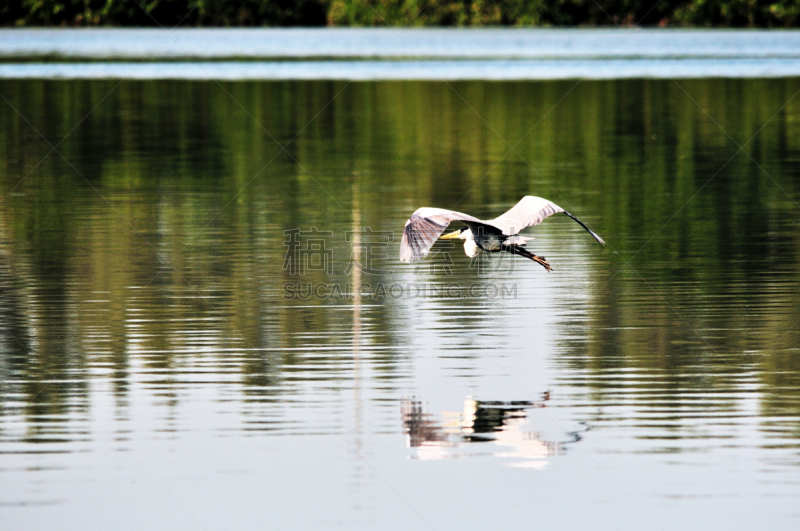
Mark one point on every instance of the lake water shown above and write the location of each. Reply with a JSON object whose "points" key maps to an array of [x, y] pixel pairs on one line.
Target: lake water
{"points": [[204, 323], [372, 54]]}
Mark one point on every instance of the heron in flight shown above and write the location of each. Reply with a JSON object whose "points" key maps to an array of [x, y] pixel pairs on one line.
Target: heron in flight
{"points": [[500, 234]]}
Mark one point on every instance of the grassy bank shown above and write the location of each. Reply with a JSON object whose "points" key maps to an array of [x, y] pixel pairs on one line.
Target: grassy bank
{"points": [[194, 13]]}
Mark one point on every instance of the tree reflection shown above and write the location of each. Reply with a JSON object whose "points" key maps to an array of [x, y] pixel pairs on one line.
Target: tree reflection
{"points": [[164, 247]]}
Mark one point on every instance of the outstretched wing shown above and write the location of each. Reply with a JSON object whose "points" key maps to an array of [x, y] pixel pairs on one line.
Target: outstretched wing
{"points": [[424, 228], [528, 212], [531, 211]]}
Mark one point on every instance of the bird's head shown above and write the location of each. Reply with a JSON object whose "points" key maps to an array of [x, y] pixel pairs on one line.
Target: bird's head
{"points": [[462, 234]]}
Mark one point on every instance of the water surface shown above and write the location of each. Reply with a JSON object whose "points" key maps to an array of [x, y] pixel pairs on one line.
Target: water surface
{"points": [[398, 43], [175, 354], [396, 54]]}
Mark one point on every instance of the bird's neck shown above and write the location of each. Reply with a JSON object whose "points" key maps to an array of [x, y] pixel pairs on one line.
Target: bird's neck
{"points": [[471, 248]]}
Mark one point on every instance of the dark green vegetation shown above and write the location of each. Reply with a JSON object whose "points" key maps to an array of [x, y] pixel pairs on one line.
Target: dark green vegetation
{"points": [[168, 221], [187, 13]]}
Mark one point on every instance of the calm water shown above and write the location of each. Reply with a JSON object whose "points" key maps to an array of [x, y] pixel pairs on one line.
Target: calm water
{"points": [[198, 332], [410, 70], [389, 54], [398, 43]]}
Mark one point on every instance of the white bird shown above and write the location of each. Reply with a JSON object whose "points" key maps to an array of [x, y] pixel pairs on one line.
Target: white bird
{"points": [[494, 235]]}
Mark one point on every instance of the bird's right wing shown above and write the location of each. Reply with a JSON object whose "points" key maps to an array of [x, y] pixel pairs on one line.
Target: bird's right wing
{"points": [[424, 228], [530, 211]]}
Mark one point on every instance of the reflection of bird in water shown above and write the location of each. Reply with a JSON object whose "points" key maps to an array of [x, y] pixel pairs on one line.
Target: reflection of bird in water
{"points": [[500, 423], [481, 418], [494, 235], [419, 426]]}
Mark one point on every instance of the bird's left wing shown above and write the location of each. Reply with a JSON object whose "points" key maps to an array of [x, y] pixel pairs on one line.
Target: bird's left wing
{"points": [[424, 228]]}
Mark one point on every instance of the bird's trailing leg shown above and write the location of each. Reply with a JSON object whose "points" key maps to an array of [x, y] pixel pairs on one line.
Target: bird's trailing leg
{"points": [[540, 260], [514, 249]]}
